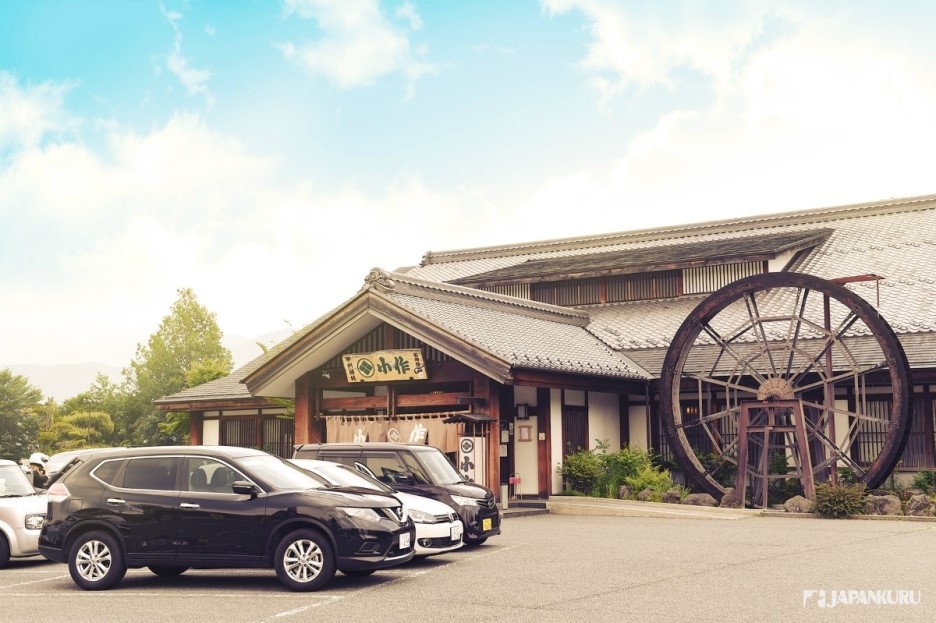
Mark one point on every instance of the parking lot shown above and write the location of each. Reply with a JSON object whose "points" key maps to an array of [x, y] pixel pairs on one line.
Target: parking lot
{"points": [[552, 568]]}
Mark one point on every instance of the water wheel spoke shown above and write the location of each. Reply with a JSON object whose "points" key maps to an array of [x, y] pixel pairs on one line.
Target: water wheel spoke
{"points": [[846, 374], [726, 347], [760, 333], [832, 338], [722, 383]]}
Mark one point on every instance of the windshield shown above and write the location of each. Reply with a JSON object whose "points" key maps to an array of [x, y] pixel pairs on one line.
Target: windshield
{"points": [[13, 482], [344, 476], [440, 469], [280, 474]]}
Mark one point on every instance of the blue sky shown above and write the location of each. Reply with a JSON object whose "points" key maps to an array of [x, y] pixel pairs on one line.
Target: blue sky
{"points": [[268, 153]]}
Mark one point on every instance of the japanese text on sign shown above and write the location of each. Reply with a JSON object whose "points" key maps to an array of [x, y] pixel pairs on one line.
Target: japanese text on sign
{"points": [[385, 365]]}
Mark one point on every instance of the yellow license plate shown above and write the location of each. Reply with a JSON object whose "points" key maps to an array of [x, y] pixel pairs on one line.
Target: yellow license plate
{"points": [[486, 524]]}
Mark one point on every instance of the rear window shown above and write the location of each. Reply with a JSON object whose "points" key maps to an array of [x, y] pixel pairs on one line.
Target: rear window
{"points": [[107, 471]]}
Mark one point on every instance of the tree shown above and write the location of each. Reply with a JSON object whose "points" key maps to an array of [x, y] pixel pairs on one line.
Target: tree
{"points": [[19, 415], [188, 342]]}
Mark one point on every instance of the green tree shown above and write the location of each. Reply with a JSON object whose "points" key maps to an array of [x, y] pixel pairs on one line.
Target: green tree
{"points": [[19, 415], [188, 342]]}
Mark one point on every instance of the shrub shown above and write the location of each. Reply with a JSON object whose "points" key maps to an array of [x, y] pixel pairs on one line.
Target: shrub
{"points": [[721, 470], [847, 476], [650, 478], [925, 481], [601, 473], [621, 466], [581, 471], [839, 501]]}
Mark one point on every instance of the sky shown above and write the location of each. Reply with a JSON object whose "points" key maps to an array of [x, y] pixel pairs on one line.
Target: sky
{"points": [[267, 154]]}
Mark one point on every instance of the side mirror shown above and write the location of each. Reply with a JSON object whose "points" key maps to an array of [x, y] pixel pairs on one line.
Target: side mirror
{"points": [[242, 487], [405, 478]]}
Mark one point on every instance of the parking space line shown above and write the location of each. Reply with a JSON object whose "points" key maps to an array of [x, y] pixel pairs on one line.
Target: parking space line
{"points": [[56, 577], [399, 575]]}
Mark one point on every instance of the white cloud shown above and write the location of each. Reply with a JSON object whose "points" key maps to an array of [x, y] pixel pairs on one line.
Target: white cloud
{"points": [[193, 79], [184, 206], [30, 113], [358, 44], [803, 113]]}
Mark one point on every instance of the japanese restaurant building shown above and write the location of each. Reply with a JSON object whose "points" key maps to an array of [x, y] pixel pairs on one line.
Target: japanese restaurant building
{"points": [[509, 357]]}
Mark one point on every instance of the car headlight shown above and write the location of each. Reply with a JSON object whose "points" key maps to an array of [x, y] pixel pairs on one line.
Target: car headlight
{"points": [[422, 516], [464, 501], [34, 522], [364, 514]]}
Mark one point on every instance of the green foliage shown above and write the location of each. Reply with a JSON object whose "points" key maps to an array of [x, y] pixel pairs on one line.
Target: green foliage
{"points": [[186, 349], [648, 477], [19, 415], [581, 470], [925, 481], [839, 501], [600, 473], [847, 476], [721, 470]]}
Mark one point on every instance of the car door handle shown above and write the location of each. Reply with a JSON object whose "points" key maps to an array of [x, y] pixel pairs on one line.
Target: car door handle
{"points": [[116, 501], [188, 506]]}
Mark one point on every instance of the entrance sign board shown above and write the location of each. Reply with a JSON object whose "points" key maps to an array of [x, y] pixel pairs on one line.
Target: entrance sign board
{"points": [[385, 365]]}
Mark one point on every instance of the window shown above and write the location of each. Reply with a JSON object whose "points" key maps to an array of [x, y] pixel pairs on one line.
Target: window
{"points": [[153, 473], [107, 471]]}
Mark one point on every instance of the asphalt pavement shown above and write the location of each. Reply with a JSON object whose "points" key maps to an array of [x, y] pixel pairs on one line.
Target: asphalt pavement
{"points": [[699, 566]]}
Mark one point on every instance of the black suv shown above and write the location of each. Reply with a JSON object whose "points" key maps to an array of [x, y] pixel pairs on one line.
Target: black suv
{"points": [[420, 470], [209, 507]]}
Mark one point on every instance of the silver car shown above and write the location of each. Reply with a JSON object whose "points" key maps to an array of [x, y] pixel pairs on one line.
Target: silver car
{"points": [[22, 511]]}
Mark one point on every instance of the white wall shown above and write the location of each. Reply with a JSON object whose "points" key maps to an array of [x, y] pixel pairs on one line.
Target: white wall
{"points": [[525, 452], [211, 432], [604, 421], [555, 424], [639, 423]]}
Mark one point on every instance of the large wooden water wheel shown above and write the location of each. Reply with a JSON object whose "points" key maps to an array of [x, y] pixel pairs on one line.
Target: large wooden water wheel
{"points": [[807, 364]]}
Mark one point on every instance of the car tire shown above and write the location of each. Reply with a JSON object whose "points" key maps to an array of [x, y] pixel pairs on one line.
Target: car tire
{"points": [[475, 541], [304, 560], [167, 571], [4, 552], [96, 562]]}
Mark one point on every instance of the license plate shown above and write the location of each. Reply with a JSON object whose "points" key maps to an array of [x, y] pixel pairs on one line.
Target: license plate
{"points": [[457, 533], [486, 524], [404, 540]]}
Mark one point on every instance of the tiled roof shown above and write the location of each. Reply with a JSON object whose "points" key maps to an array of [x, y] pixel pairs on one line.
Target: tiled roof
{"points": [[225, 388], [895, 240], [524, 334]]}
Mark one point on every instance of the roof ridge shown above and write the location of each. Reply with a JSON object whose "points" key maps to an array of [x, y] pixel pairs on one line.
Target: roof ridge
{"points": [[388, 281], [796, 217]]}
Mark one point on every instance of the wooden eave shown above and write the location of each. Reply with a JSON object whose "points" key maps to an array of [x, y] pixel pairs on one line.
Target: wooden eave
{"points": [[562, 380], [214, 404]]}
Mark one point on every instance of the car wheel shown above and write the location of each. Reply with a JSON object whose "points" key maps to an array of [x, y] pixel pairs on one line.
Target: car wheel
{"points": [[95, 561], [475, 541], [358, 573], [167, 571], [4, 552], [304, 560]]}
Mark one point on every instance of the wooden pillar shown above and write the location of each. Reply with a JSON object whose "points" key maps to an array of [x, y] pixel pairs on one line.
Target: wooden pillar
{"points": [[196, 423], [490, 391], [303, 414], [543, 448]]}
